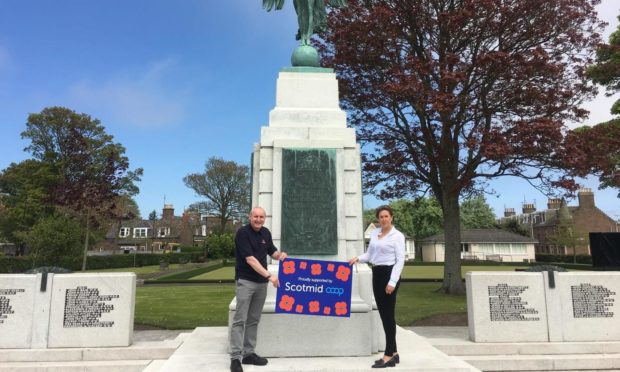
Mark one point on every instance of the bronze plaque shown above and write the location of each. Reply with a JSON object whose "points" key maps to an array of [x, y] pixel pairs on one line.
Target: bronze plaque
{"points": [[309, 214]]}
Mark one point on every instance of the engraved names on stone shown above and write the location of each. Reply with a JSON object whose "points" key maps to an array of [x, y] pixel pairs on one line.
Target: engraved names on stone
{"points": [[5, 303], [506, 304], [592, 301], [84, 307]]}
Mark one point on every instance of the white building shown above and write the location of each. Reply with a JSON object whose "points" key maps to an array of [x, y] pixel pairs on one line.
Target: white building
{"points": [[483, 244]]}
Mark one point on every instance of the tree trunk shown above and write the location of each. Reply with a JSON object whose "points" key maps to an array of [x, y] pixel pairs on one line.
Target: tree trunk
{"points": [[86, 239], [452, 282]]}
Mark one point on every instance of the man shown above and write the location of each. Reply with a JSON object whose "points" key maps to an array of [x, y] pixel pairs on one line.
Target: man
{"points": [[252, 245]]}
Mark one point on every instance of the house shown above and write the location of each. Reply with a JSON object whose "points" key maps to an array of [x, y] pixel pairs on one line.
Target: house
{"points": [[164, 234], [482, 244], [578, 221], [409, 243]]}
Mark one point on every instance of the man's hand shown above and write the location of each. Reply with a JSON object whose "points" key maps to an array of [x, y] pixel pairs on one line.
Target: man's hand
{"points": [[275, 281], [282, 256]]}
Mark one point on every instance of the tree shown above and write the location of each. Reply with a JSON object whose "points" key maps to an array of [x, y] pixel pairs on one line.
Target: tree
{"points": [[606, 72], [418, 218], [24, 195], [226, 185], [453, 93], [476, 213], [92, 168], [55, 241], [566, 235], [514, 226], [153, 215]]}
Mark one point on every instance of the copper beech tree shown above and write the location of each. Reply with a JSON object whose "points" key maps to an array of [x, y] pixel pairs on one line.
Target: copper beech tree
{"points": [[447, 94]]}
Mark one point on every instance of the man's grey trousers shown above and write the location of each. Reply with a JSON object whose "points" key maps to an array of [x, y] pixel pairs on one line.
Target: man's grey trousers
{"points": [[250, 300]]}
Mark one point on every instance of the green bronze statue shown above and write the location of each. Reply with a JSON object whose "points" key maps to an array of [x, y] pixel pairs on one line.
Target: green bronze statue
{"points": [[311, 17]]}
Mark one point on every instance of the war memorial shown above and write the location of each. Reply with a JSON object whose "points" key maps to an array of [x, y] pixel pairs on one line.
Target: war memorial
{"points": [[306, 174]]}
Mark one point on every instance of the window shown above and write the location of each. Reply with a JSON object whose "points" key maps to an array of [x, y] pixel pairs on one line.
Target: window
{"points": [[502, 248], [163, 231], [140, 232], [519, 248], [124, 232], [486, 248]]}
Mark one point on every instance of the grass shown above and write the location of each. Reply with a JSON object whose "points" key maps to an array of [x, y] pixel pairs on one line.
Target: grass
{"points": [[409, 272], [142, 270], [207, 305], [183, 307]]}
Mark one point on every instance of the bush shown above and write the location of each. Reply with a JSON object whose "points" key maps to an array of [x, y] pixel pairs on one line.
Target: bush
{"points": [[220, 245], [55, 241], [581, 258], [14, 265]]}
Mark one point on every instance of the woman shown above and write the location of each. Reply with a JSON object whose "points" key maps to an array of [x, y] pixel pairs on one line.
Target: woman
{"points": [[386, 252]]}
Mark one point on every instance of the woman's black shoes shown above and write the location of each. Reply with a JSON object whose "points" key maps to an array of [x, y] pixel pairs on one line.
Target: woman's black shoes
{"points": [[396, 359], [383, 364]]}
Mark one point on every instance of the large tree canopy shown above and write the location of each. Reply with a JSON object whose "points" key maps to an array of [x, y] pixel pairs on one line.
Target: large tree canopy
{"points": [[226, 186], [606, 72], [93, 172], [453, 93]]}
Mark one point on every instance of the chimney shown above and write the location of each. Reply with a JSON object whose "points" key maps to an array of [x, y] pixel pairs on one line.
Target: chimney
{"points": [[554, 203], [167, 212], [528, 208], [509, 212], [586, 198]]}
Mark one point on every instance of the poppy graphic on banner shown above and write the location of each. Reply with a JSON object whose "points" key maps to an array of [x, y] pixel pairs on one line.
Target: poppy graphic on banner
{"points": [[314, 287]]}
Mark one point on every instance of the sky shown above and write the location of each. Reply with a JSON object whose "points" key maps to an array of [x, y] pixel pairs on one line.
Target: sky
{"points": [[176, 82]]}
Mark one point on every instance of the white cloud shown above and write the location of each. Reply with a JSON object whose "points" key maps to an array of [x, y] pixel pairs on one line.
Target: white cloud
{"points": [[141, 100]]}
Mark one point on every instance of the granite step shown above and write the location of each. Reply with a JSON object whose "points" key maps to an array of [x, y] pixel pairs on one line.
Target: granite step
{"points": [[563, 362], [77, 366], [137, 357], [524, 356]]}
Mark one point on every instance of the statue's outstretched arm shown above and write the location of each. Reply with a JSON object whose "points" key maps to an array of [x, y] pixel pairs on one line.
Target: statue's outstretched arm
{"points": [[278, 4]]}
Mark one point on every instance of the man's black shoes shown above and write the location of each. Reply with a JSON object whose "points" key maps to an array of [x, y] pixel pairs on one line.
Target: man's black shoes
{"points": [[235, 365], [254, 359]]}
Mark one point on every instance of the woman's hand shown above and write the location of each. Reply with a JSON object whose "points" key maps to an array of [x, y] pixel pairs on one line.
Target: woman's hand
{"points": [[389, 289], [354, 260]]}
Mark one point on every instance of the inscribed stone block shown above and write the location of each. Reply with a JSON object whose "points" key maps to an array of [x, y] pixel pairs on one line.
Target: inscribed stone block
{"points": [[584, 306], [17, 296], [92, 310], [506, 307]]}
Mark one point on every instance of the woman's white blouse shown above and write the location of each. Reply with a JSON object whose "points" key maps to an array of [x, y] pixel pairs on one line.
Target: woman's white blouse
{"points": [[389, 250]]}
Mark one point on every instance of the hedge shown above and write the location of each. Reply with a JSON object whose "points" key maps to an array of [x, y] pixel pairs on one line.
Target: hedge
{"points": [[10, 264], [581, 258], [13, 265]]}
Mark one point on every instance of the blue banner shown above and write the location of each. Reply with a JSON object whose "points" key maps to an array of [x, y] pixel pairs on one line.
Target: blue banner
{"points": [[314, 287]]}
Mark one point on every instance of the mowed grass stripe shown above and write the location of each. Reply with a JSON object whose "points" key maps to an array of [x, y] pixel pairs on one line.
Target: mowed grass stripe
{"points": [[186, 307]]}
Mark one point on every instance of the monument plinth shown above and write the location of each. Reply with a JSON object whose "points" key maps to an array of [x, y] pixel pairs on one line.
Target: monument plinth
{"points": [[306, 174]]}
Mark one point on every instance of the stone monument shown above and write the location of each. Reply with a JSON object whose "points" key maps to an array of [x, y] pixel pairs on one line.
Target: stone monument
{"points": [[306, 174], [66, 310], [543, 307]]}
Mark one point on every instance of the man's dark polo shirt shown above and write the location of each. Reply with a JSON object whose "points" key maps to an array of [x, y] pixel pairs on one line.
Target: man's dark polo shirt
{"points": [[249, 242]]}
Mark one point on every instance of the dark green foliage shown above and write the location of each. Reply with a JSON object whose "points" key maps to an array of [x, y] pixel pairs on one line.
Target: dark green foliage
{"points": [[14, 265], [580, 258], [514, 226], [55, 241], [476, 213], [220, 245]]}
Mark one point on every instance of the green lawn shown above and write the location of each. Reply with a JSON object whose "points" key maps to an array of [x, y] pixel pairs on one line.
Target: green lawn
{"points": [[409, 272], [144, 269], [184, 307]]}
